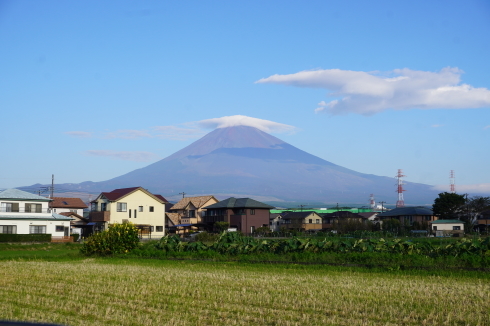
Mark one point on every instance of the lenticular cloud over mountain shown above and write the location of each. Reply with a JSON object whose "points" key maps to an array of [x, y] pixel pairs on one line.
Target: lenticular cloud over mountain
{"points": [[242, 120]]}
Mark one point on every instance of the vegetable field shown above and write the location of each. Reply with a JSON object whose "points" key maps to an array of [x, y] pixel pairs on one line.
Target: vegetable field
{"points": [[233, 243]]}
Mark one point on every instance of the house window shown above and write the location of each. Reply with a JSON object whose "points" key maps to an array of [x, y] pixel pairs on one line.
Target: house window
{"points": [[129, 213], [152, 209], [134, 213], [94, 207], [317, 221], [252, 212], [192, 213], [151, 228], [434, 227], [140, 209], [8, 229], [122, 207], [10, 207], [60, 228], [103, 207], [456, 228], [310, 221], [159, 228], [33, 208], [37, 229]]}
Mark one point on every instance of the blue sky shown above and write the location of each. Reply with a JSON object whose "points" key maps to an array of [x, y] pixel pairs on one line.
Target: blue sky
{"points": [[92, 90]]}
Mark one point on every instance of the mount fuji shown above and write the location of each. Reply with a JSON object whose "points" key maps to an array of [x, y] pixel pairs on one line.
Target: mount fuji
{"points": [[247, 162]]}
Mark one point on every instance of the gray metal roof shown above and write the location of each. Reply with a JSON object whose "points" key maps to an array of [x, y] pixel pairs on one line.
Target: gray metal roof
{"points": [[447, 222], [20, 194], [406, 211], [233, 202]]}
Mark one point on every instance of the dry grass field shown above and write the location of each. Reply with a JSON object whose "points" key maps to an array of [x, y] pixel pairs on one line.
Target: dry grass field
{"points": [[129, 292]]}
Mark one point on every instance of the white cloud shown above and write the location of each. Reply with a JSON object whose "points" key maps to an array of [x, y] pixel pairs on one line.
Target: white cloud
{"points": [[480, 188], [436, 126], [241, 120], [486, 127], [401, 89], [128, 134], [123, 155], [79, 134]]}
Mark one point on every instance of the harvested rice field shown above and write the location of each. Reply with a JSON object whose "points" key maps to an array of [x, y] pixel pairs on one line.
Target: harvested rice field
{"points": [[128, 292]]}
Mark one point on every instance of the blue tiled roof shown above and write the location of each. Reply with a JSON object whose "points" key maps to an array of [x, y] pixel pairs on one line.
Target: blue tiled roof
{"points": [[20, 194]]}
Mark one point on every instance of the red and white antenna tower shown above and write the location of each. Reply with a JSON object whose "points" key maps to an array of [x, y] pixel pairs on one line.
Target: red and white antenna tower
{"points": [[451, 182], [372, 203], [400, 202]]}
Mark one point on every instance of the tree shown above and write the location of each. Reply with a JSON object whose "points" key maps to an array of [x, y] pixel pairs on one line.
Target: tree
{"points": [[474, 208], [222, 226], [449, 205]]}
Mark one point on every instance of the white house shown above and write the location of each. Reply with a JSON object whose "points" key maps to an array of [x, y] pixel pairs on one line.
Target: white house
{"points": [[67, 205], [447, 227], [24, 213]]}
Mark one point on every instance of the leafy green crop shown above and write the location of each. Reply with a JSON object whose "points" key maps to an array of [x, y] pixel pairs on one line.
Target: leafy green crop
{"points": [[234, 243]]}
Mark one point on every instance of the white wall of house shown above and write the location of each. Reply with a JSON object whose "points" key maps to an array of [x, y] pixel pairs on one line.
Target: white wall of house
{"points": [[447, 226], [5, 204], [24, 226]]}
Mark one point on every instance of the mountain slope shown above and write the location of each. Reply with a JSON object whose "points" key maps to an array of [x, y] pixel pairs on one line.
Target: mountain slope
{"points": [[244, 161]]}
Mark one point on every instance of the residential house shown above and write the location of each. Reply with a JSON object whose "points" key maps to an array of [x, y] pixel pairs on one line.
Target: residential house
{"points": [[483, 221], [66, 205], [244, 214], [369, 216], [24, 213], [442, 228], [136, 205], [410, 215], [334, 221], [275, 221], [78, 224], [302, 221], [189, 211]]}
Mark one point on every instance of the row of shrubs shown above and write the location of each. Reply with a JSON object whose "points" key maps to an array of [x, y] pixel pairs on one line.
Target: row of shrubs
{"points": [[25, 237]]}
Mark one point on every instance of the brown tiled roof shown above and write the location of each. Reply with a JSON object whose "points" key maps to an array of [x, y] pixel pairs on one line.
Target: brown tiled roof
{"points": [[65, 202], [161, 197], [116, 194], [196, 201], [367, 214], [173, 217], [68, 214]]}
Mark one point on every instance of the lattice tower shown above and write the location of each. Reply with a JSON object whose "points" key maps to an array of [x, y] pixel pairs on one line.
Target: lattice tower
{"points": [[400, 202], [452, 188]]}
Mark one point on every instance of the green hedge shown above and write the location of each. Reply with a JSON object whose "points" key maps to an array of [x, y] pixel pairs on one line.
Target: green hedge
{"points": [[25, 237]]}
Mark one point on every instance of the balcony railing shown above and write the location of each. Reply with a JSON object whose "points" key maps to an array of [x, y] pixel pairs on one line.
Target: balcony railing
{"points": [[23, 210], [100, 216]]}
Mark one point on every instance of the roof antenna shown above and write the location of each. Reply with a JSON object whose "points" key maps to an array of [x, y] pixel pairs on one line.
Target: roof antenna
{"points": [[182, 193]]}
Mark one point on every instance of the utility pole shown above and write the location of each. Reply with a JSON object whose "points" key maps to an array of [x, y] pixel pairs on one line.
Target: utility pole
{"points": [[182, 193], [52, 186], [301, 207], [382, 205]]}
